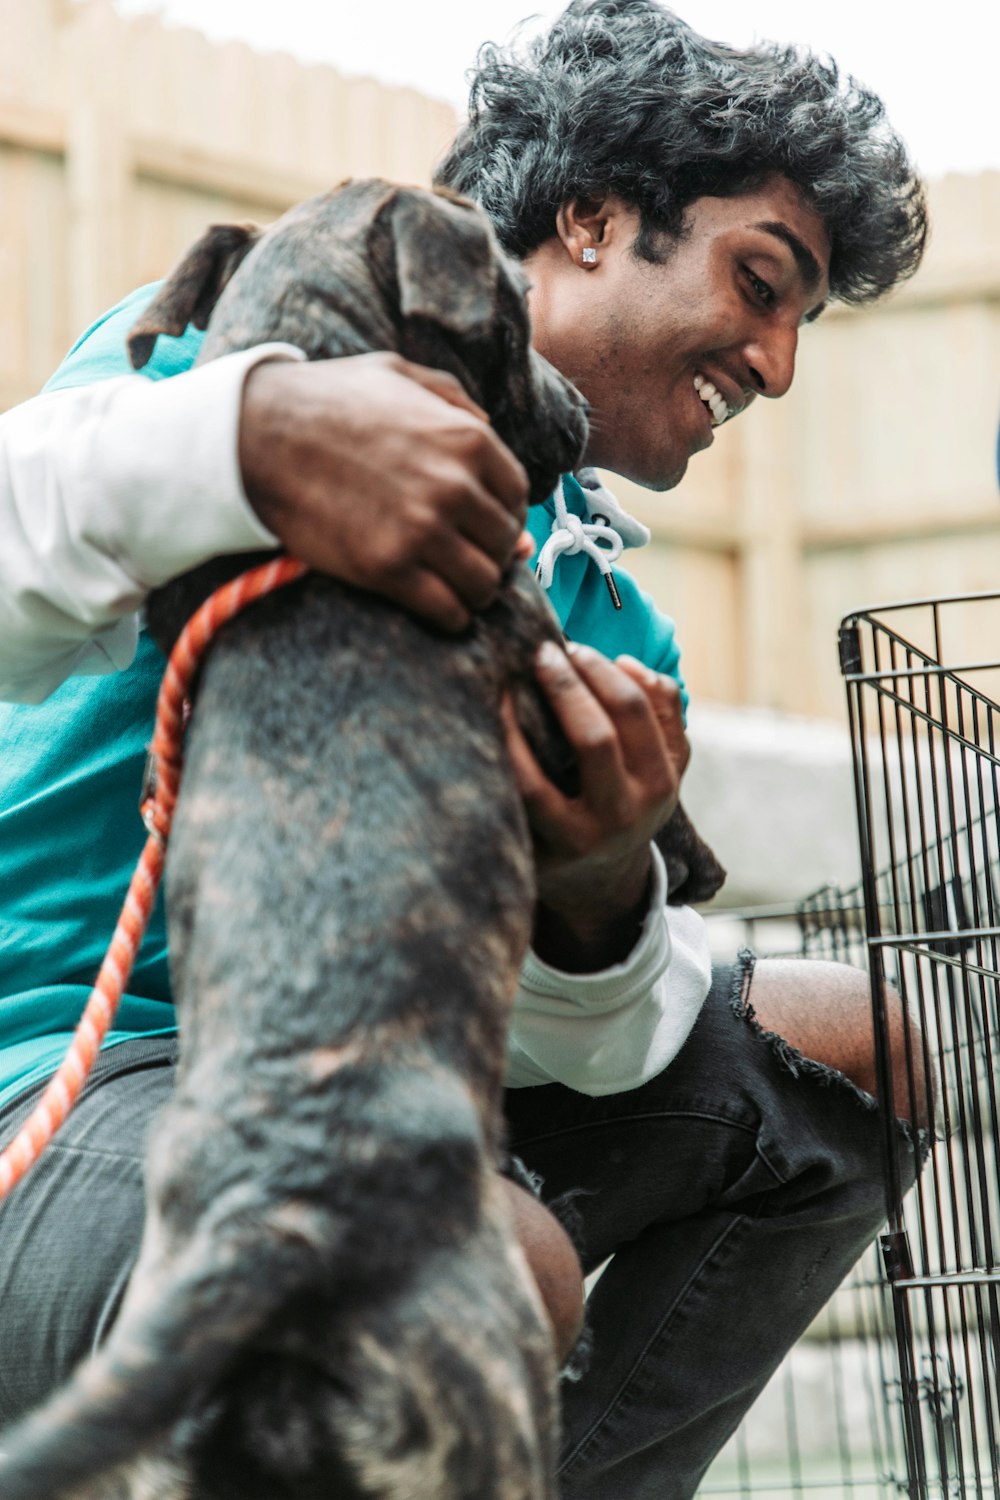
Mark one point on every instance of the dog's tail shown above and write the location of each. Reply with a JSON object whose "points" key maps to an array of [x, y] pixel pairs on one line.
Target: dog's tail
{"points": [[161, 1361]]}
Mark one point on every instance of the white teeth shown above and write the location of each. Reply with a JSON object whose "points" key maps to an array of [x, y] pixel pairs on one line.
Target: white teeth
{"points": [[713, 399]]}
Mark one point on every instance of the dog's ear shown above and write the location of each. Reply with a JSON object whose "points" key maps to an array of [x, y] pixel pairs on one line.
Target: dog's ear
{"points": [[193, 287], [693, 872], [446, 263]]}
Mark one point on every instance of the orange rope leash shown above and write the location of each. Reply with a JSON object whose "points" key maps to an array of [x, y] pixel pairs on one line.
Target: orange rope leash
{"points": [[159, 797]]}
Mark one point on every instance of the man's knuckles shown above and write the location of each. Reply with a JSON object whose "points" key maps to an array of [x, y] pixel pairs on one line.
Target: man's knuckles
{"points": [[431, 600], [555, 670], [631, 706], [477, 581], [594, 738], [666, 693]]}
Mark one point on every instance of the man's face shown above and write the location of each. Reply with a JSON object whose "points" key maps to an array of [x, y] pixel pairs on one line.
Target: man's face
{"points": [[646, 343]]}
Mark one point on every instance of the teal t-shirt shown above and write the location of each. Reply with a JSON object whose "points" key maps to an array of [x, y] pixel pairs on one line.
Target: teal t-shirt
{"points": [[71, 771]]}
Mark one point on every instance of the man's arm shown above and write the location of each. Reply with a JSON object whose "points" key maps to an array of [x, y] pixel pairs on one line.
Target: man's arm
{"points": [[615, 979], [86, 480], [593, 852], [372, 469], [612, 1030]]}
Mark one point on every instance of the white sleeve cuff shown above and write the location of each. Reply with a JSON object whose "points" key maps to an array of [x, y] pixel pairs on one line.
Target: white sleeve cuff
{"points": [[610, 1032], [159, 470], [107, 491]]}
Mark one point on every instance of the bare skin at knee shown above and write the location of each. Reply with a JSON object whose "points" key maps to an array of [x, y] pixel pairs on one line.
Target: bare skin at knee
{"points": [[824, 1011], [553, 1263]]}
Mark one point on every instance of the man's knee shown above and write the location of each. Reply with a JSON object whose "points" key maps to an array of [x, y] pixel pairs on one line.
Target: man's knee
{"points": [[824, 1011], [554, 1264]]}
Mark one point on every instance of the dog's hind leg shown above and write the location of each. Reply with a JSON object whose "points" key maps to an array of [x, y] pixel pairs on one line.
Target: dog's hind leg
{"points": [[454, 1393], [176, 1335], [442, 1389]]}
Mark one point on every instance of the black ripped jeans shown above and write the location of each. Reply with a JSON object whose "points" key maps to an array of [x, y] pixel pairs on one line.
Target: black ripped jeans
{"points": [[732, 1195]]}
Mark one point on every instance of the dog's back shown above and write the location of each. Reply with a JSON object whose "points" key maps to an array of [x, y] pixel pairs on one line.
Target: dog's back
{"points": [[330, 1298]]}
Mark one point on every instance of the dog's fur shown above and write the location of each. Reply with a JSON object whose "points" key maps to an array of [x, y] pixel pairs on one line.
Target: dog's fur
{"points": [[330, 1301]]}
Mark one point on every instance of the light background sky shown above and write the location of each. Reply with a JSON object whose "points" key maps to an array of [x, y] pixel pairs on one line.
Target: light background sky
{"points": [[934, 66]]}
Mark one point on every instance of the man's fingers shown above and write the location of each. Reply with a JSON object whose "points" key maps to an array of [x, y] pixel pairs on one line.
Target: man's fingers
{"points": [[503, 475], [442, 384], [492, 527], [588, 727], [664, 697], [545, 804], [430, 598], [619, 734], [474, 577], [646, 711]]}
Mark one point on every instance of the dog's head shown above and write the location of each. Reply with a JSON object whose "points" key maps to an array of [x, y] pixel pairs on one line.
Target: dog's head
{"points": [[373, 266]]}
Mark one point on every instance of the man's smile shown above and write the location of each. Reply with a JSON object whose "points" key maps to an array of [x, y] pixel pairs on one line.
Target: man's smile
{"points": [[713, 399]]}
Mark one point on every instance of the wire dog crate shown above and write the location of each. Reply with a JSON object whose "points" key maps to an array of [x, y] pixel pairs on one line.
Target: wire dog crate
{"points": [[914, 1378], [925, 728]]}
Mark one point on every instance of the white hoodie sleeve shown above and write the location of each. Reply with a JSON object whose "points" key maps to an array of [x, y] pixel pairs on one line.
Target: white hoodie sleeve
{"points": [[107, 491], [609, 1032]]}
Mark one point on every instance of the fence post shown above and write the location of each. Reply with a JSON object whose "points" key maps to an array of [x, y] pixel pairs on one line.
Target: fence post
{"points": [[98, 160]]}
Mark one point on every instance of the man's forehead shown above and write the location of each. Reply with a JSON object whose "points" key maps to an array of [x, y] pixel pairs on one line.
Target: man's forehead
{"points": [[780, 209]]}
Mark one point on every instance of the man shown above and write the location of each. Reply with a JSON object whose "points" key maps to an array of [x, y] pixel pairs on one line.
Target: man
{"points": [[682, 210]]}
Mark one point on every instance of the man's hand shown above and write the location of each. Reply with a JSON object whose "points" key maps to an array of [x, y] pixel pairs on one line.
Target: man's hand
{"points": [[592, 851], [385, 475]]}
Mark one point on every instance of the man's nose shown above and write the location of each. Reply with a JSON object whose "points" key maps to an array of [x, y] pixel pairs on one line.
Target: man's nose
{"points": [[770, 360]]}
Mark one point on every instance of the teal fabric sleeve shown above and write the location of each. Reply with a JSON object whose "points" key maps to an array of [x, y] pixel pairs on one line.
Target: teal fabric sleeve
{"points": [[100, 352], [70, 834]]}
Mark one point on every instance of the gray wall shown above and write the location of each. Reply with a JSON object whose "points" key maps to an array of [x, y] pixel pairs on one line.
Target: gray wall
{"points": [[774, 796]]}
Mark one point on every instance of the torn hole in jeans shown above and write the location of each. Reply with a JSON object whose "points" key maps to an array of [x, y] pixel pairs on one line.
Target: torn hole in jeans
{"points": [[800, 1066]]}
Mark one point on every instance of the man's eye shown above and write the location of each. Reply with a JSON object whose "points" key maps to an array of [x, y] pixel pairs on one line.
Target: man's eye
{"points": [[761, 288]]}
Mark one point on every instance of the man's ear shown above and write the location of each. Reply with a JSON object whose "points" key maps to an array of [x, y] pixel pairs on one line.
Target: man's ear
{"points": [[445, 259], [582, 224], [193, 287]]}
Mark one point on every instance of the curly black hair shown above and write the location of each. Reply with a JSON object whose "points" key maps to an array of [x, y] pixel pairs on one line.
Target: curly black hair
{"points": [[621, 96]]}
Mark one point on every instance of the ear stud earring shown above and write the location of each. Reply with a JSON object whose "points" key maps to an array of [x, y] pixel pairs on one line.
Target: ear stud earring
{"points": [[589, 256]]}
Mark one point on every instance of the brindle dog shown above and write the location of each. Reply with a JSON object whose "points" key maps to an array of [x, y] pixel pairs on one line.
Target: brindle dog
{"points": [[329, 1300]]}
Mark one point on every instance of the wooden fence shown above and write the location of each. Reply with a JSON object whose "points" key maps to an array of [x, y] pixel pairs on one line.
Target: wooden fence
{"points": [[120, 139]]}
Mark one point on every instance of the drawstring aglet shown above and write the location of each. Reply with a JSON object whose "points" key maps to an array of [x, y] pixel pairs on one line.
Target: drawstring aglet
{"points": [[616, 598]]}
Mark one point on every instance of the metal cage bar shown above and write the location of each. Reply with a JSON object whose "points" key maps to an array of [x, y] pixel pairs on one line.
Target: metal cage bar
{"points": [[924, 736], [915, 1333]]}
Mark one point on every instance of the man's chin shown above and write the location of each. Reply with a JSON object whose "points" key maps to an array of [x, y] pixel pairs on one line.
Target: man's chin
{"points": [[657, 478], [655, 472]]}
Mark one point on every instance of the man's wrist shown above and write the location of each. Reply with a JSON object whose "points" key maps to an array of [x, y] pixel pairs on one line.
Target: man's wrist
{"points": [[260, 434], [584, 926]]}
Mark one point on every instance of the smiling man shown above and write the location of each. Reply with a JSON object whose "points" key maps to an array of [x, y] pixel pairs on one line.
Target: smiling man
{"points": [[700, 335], [681, 209]]}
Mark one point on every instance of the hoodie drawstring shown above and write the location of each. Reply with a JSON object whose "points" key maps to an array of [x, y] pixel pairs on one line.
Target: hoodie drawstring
{"points": [[569, 535]]}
